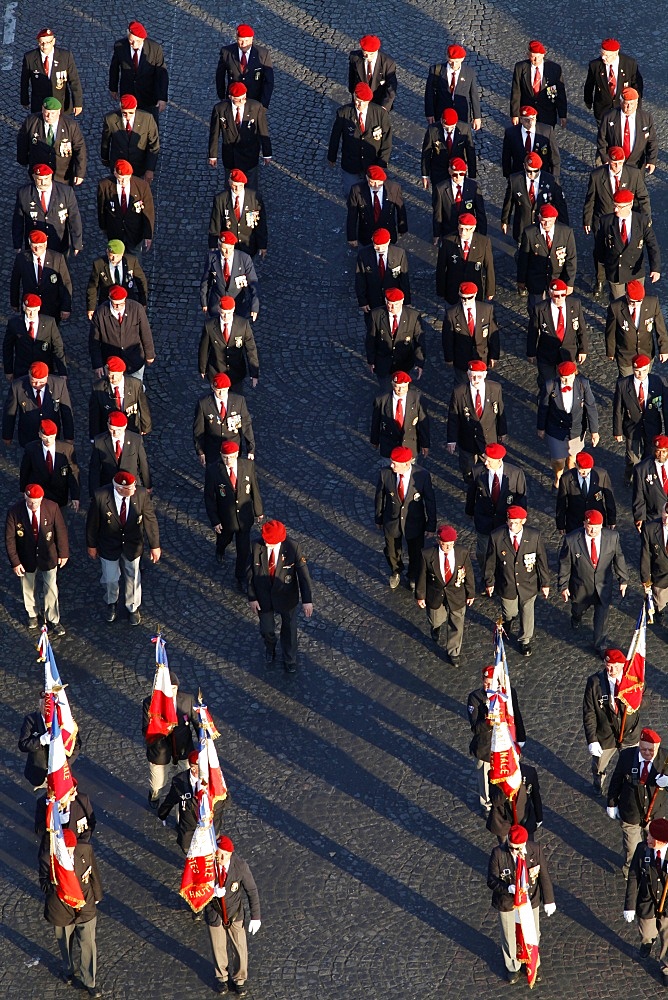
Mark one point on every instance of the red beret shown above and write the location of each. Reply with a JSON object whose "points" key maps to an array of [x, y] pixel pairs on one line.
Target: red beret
{"points": [[238, 176], [623, 197], [661, 441], [117, 419], [630, 94], [370, 43], [488, 672], [237, 89], [477, 366], [117, 293], [45, 33], [456, 163], [450, 116], [567, 368], [516, 513], [401, 455], [394, 295], [381, 237], [34, 492], [124, 479], [137, 29], [32, 301], [528, 112], [650, 736], [467, 219], [245, 31], [225, 844], [558, 285], [635, 290], [615, 656], [229, 448], [584, 460], [538, 48], [273, 532], [401, 378], [593, 517], [495, 451], [193, 757], [610, 45], [468, 288], [456, 52], [48, 427], [548, 212], [39, 369], [69, 838], [37, 236], [42, 170], [228, 237], [658, 829], [641, 360], [376, 174], [128, 102], [363, 92], [616, 153], [533, 160], [446, 533], [123, 168], [227, 303], [517, 835], [221, 381], [115, 364]]}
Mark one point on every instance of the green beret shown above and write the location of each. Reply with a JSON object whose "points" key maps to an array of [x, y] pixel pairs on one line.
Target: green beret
{"points": [[52, 104], [116, 246]]}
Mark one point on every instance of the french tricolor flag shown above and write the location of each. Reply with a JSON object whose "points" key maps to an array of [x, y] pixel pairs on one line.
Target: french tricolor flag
{"points": [[59, 780], [56, 696], [63, 875], [162, 710]]}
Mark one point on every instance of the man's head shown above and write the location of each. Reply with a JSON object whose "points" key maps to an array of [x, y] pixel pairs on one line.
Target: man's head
{"points": [[137, 35], [237, 181], [661, 448], [593, 523], [584, 463], [48, 431], [220, 383], [657, 835], [115, 251], [629, 100], [370, 45], [558, 290], [641, 366], [609, 50], [375, 177], [46, 41], [447, 536], [487, 677], [401, 460], [128, 108], [381, 240], [116, 368], [34, 494], [117, 424], [614, 664], [457, 169], [394, 301], [226, 244], [38, 374], [616, 159], [650, 741], [362, 95], [537, 53], [31, 307], [623, 200], [238, 93], [466, 225], [449, 118], [42, 175], [635, 293], [517, 518], [532, 164], [477, 372], [224, 851], [456, 56], [517, 839], [227, 309], [125, 484], [567, 371], [123, 171], [467, 294], [51, 108], [493, 457], [193, 762], [400, 383], [229, 452], [548, 217], [528, 117], [117, 298], [245, 35]]}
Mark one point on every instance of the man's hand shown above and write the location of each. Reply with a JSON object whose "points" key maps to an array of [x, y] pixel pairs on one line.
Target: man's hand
{"points": [[90, 313], [45, 739], [77, 182], [254, 606], [65, 315], [20, 570], [515, 121], [147, 245], [98, 372], [654, 275], [74, 505], [476, 124], [566, 594], [253, 316], [77, 112], [469, 601], [521, 287], [650, 167], [451, 447], [218, 528], [154, 555], [213, 161], [353, 244], [622, 588], [639, 526], [587, 230], [595, 438], [541, 434], [663, 358], [308, 609], [613, 812], [421, 603], [489, 591], [92, 552], [419, 374], [549, 909], [424, 452], [331, 163], [254, 926], [161, 106], [629, 916], [504, 227], [254, 382], [533, 361], [62, 562], [545, 591], [425, 183], [563, 122], [430, 121], [582, 358], [619, 437], [114, 95]]}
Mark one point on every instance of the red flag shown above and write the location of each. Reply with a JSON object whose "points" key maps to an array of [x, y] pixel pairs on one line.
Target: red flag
{"points": [[210, 772], [632, 684], [63, 875], [526, 939], [162, 710], [198, 877], [504, 759], [59, 780]]}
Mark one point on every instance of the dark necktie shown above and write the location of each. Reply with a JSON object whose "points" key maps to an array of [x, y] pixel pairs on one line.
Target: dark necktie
{"points": [[496, 489], [399, 413], [401, 492], [35, 526], [612, 82], [548, 240], [38, 398], [532, 193], [128, 126], [584, 489], [369, 73], [624, 233], [561, 327], [395, 326], [627, 139], [124, 201], [118, 451], [135, 59], [361, 123], [594, 553], [223, 410], [458, 196], [32, 331], [117, 398], [448, 572], [123, 516], [471, 322], [237, 209], [381, 267], [49, 463], [233, 479], [448, 142], [237, 120], [516, 543], [478, 405], [641, 397], [453, 84], [657, 862], [50, 138], [536, 82], [243, 63], [616, 696], [527, 143], [465, 249], [39, 270], [376, 208], [664, 479], [645, 772], [615, 183], [42, 198], [272, 564]]}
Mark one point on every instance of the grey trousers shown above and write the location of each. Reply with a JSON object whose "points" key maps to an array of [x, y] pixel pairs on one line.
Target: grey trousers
{"points": [[482, 776], [161, 776], [455, 620], [235, 936], [660, 595], [648, 933], [508, 943], [526, 612], [49, 594], [618, 289], [78, 950], [599, 765], [111, 573], [632, 835]]}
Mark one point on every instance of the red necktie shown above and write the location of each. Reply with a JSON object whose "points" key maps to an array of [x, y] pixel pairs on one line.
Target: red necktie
{"points": [[42, 198], [496, 489], [401, 492], [49, 463], [478, 405], [567, 388], [123, 516], [395, 326], [645, 772], [399, 414], [135, 59], [625, 233], [561, 327], [612, 82], [548, 240], [38, 398], [369, 73], [46, 65], [641, 397], [361, 123], [128, 127], [536, 82], [35, 526], [458, 196], [223, 410], [32, 331], [118, 451], [226, 272], [453, 84], [376, 208], [243, 63], [471, 322], [664, 479], [448, 572], [272, 564], [381, 267], [124, 201], [237, 209], [117, 397], [532, 193], [39, 270], [226, 332], [516, 543], [448, 142], [465, 249], [594, 553], [233, 479], [237, 120], [615, 183], [527, 143], [627, 139]]}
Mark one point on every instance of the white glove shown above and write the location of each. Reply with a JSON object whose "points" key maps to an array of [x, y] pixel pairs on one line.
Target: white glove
{"points": [[164, 822], [219, 890], [254, 926], [595, 749], [629, 916], [521, 745], [539, 824], [662, 780], [613, 812], [45, 738], [549, 909], [511, 889]]}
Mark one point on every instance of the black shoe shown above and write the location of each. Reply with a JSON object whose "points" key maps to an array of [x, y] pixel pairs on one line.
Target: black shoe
{"points": [[93, 991], [67, 978], [290, 668], [33, 623], [525, 649], [56, 628], [453, 661], [153, 801], [645, 949], [508, 625], [269, 656], [513, 977], [134, 617], [221, 986], [597, 288], [220, 558], [112, 611], [238, 988], [411, 584], [435, 633], [198, 917], [598, 783], [575, 621]]}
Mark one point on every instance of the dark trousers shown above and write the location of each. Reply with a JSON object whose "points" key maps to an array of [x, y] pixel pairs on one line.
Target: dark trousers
{"points": [[638, 447], [601, 612], [288, 632], [393, 554], [242, 539]]}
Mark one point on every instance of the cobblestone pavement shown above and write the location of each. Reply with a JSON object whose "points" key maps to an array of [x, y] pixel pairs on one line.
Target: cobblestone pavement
{"points": [[353, 794]]}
